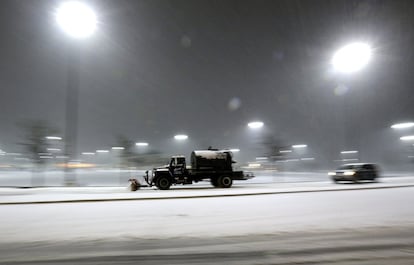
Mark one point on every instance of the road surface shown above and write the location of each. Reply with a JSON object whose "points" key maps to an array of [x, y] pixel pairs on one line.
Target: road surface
{"points": [[338, 227]]}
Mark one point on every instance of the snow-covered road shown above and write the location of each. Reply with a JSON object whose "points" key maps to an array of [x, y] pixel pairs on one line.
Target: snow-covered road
{"points": [[208, 217]]}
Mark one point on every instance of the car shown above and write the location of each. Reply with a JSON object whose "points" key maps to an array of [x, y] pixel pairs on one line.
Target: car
{"points": [[355, 172]]}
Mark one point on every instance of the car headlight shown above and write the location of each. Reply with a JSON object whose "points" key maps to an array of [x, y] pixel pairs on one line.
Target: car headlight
{"points": [[331, 173], [349, 173]]}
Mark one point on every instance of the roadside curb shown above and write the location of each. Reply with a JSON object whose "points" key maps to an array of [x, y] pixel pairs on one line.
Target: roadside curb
{"points": [[203, 196]]}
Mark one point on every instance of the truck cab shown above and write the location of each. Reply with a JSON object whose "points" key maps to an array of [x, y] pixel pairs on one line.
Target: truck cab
{"points": [[177, 166]]}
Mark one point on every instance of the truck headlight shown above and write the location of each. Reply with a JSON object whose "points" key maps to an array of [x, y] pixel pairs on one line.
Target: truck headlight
{"points": [[349, 173], [331, 173]]}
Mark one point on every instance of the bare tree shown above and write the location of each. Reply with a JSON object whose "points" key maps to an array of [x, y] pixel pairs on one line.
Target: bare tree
{"points": [[273, 145], [127, 154], [35, 143]]}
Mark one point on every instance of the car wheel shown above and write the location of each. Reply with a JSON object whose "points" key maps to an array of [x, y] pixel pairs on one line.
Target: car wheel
{"points": [[164, 183], [356, 179], [225, 181]]}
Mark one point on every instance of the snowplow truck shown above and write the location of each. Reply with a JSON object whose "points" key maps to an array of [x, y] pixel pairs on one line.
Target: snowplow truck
{"points": [[213, 165]]}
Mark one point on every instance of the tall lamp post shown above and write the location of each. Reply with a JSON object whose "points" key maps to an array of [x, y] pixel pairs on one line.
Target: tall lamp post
{"points": [[349, 59], [78, 21]]}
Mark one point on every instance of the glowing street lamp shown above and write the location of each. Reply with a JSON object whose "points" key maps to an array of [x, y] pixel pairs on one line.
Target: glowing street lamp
{"points": [[352, 57], [117, 148], [299, 146], [101, 151], [53, 138], [407, 138], [255, 124], [181, 137], [142, 144], [76, 19], [404, 125], [349, 152]]}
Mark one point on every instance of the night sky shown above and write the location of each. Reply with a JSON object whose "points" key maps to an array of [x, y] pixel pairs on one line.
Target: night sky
{"points": [[205, 68]]}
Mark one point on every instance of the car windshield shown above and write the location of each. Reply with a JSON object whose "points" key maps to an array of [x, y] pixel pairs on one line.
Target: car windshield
{"points": [[348, 167]]}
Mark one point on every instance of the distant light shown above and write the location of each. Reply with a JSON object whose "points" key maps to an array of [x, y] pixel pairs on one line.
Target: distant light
{"points": [[349, 152], [61, 157], [299, 146], [45, 157], [53, 138], [88, 153], [181, 137], [404, 125], [76, 165], [307, 159], [407, 138], [76, 19], [53, 149], [102, 151], [285, 151], [13, 154], [118, 148], [234, 150], [44, 154], [141, 144], [261, 158], [254, 165], [255, 125], [351, 57], [292, 160], [350, 159]]}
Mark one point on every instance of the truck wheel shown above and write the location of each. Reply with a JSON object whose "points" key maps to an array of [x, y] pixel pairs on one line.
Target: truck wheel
{"points": [[225, 181], [214, 182], [163, 183]]}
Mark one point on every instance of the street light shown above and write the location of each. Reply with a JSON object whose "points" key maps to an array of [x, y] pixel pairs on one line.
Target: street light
{"points": [[349, 152], [349, 59], [142, 144], [299, 146], [78, 21], [352, 57], [407, 138], [102, 151], [404, 125], [53, 138], [255, 124], [181, 137], [117, 148]]}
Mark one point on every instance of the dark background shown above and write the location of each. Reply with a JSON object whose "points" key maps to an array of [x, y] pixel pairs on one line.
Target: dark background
{"points": [[157, 68]]}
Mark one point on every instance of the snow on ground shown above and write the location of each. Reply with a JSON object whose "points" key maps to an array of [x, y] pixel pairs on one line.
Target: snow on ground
{"points": [[203, 189], [208, 217]]}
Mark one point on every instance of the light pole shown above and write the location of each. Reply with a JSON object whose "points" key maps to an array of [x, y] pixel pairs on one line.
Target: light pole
{"points": [[78, 21], [346, 60], [182, 146], [256, 128]]}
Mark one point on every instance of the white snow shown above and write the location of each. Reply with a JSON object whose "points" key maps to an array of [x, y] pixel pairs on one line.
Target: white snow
{"points": [[207, 217]]}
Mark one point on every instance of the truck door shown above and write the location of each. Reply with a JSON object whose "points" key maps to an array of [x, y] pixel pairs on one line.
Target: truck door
{"points": [[177, 166]]}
